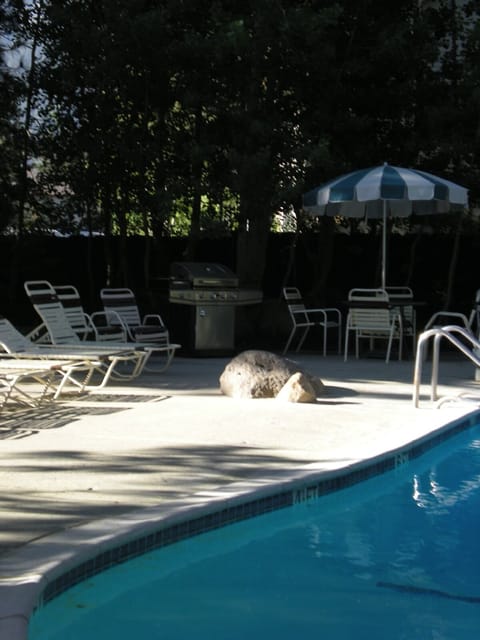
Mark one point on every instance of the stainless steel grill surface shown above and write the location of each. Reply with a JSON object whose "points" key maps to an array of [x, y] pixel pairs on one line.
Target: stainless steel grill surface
{"points": [[212, 292], [208, 283], [202, 274]]}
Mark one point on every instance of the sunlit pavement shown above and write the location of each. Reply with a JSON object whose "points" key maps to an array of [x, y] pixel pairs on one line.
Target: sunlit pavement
{"points": [[171, 438]]}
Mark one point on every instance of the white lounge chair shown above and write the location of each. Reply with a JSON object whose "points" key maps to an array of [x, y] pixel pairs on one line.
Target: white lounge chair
{"points": [[52, 313], [104, 360], [122, 310], [46, 373], [303, 319], [93, 326], [371, 317]]}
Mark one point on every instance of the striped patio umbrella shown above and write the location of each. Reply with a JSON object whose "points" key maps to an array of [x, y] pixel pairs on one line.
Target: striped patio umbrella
{"points": [[378, 192]]}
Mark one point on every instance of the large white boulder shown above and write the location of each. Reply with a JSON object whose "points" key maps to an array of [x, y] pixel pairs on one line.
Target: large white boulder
{"points": [[261, 374]]}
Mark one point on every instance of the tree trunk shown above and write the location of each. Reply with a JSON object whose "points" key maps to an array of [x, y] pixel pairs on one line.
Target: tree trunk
{"points": [[17, 256], [194, 233], [453, 264], [252, 242]]}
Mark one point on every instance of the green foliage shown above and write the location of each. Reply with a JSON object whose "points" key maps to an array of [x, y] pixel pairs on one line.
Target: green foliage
{"points": [[204, 118]]}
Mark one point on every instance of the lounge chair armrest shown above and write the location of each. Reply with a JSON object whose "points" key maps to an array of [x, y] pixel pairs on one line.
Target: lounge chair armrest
{"points": [[326, 314], [99, 318], [106, 320], [446, 314], [110, 317], [153, 318], [301, 317], [91, 327]]}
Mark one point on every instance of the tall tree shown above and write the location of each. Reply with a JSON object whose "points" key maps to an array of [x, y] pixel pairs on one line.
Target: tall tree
{"points": [[148, 107], [105, 114], [269, 49]]}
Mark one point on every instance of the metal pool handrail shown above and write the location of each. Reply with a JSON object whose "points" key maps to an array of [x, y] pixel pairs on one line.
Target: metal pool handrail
{"points": [[437, 334]]}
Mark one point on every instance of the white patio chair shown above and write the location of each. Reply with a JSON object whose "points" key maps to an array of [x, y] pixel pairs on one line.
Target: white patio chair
{"points": [[408, 313], [370, 317], [303, 319], [471, 323], [474, 317], [92, 326], [444, 318], [122, 310], [84, 358], [51, 311]]}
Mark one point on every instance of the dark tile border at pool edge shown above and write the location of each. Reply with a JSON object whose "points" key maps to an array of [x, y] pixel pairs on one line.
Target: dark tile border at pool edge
{"points": [[287, 494]]}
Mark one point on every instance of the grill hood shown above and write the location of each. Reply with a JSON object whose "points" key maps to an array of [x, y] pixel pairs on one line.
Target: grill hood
{"points": [[205, 275]]}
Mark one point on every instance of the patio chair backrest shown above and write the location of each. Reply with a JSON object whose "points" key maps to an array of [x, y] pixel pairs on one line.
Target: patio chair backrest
{"points": [[121, 309], [83, 323], [70, 299], [399, 292], [122, 302], [368, 295], [474, 318], [292, 294], [52, 312], [296, 306], [408, 311], [370, 318]]}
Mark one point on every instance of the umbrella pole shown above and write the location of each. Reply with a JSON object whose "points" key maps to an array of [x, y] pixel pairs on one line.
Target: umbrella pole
{"points": [[384, 246]]}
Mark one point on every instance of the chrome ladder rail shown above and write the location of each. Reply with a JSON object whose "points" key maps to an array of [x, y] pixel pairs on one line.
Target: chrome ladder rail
{"points": [[448, 332]]}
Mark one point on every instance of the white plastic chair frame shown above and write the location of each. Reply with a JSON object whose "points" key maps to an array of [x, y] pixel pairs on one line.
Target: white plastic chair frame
{"points": [[49, 373], [83, 357], [51, 311], [443, 318], [85, 325], [373, 321], [408, 313], [122, 310], [109, 356], [474, 318], [304, 319], [12, 387]]}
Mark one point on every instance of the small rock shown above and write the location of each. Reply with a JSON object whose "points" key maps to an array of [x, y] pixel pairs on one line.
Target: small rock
{"points": [[298, 388]]}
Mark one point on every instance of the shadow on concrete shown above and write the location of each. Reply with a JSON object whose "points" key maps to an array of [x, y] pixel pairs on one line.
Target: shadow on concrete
{"points": [[21, 422], [145, 478]]}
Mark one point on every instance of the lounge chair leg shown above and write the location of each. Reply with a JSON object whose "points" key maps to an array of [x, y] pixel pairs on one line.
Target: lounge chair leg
{"points": [[302, 340], [345, 354], [288, 341], [169, 353]]}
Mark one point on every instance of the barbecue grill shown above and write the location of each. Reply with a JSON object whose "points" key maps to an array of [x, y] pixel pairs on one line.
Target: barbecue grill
{"points": [[207, 294]]}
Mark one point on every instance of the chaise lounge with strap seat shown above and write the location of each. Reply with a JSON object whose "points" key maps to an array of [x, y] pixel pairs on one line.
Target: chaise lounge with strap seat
{"points": [[52, 313], [104, 360]]}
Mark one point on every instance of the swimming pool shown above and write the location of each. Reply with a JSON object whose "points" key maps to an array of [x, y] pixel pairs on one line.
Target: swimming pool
{"points": [[395, 556]]}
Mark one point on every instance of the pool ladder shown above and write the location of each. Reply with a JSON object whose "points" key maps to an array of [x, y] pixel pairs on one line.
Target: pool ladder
{"points": [[450, 332]]}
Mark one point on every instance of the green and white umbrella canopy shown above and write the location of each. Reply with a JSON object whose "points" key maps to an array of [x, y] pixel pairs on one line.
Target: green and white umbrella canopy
{"points": [[378, 192]]}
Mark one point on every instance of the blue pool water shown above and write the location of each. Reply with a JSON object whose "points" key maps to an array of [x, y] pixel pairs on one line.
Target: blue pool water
{"points": [[394, 557]]}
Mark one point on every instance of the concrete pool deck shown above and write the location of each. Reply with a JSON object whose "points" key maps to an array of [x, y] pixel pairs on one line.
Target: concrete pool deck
{"points": [[76, 474]]}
